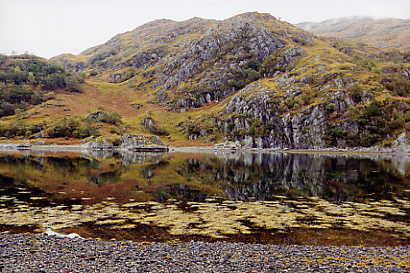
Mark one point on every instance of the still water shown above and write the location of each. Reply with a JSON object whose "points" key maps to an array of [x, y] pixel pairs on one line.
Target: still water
{"points": [[262, 197]]}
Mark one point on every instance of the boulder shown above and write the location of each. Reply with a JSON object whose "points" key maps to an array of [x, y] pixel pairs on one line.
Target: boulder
{"points": [[99, 143], [132, 142]]}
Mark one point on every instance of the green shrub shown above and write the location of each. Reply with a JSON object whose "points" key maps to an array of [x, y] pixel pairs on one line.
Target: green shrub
{"points": [[330, 108], [397, 84], [356, 93], [73, 127], [35, 71], [373, 109], [111, 118], [366, 64], [252, 131], [238, 79], [24, 77], [253, 64], [18, 97], [337, 133], [19, 128], [106, 117]]}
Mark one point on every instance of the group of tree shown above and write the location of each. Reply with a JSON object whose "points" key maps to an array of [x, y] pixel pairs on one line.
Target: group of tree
{"points": [[35, 71], [25, 81]]}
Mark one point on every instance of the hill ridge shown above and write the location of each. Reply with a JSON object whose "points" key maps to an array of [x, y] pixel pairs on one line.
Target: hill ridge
{"points": [[379, 32]]}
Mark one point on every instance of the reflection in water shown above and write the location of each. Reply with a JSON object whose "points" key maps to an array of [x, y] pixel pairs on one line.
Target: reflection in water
{"points": [[260, 176], [94, 176], [214, 195]]}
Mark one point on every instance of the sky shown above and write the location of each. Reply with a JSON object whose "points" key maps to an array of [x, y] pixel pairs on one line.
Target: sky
{"points": [[50, 27]]}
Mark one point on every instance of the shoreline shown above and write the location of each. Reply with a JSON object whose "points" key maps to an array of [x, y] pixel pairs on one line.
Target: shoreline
{"points": [[42, 253], [290, 151], [14, 147]]}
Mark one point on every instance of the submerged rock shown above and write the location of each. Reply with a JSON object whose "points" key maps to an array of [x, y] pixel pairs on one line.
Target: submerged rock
{"points": [[50, 232]]}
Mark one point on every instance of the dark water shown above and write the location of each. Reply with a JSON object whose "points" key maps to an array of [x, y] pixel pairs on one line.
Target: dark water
{"points": [[91, 178]]}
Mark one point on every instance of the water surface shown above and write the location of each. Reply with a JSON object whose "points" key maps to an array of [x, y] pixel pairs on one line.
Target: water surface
{"points": [[229, 196]]}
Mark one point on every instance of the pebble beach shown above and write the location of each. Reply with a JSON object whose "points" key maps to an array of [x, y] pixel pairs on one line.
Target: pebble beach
{"points": [[42, 253]]}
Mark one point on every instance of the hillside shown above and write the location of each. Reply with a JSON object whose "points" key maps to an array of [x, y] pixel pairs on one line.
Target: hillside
{"points": [[381, 33], [27, 80], [250, 78]]}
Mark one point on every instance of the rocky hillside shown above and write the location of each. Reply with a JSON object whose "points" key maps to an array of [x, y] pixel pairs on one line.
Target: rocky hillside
{"points": [[380, 33], [251, 78], [190, 63]]}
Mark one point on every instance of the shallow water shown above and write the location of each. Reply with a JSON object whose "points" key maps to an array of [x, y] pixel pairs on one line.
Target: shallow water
{"points": [[265, 197]]}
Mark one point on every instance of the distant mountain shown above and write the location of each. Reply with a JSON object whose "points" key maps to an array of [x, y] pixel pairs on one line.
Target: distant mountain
{"points": [[250, 78], [381, 33]]}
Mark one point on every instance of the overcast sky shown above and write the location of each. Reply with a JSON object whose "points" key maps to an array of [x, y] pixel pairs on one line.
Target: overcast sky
{"points": [[51, 27]]}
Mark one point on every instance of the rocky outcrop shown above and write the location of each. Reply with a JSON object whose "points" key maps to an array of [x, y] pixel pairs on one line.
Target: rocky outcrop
{"points": [[305, 129], [402, 143], [241, 47], [130, 142], [230, 145], [240, 37], [121, 76], [70, 62], [99, 143], [282, 61], [301, 131], [151, 126], [146, 58], [126, 142], [96, 116], [406, 73], [222, 56], [148, 123]]}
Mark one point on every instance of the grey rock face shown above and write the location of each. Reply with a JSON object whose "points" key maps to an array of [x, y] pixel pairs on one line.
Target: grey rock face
{"points": [[68, 64], [148, 123], [401, 144], [145, 58], [99, 144], [96, 116], [259, 41], [201, 57], [151, 126], [222, 57], [285, 61], [121, 76], [129, 141], [401, 140], [406, 73], [302, 130]]}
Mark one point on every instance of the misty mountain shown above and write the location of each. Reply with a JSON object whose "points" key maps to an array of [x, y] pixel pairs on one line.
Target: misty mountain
{"points": [[381, 33]]}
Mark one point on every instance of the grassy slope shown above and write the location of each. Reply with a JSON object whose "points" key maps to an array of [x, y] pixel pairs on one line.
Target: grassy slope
{"points": [[110, 97]]}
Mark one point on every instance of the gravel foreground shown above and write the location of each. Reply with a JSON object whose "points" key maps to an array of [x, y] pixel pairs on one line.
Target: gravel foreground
{"points": [[42, 253]]}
